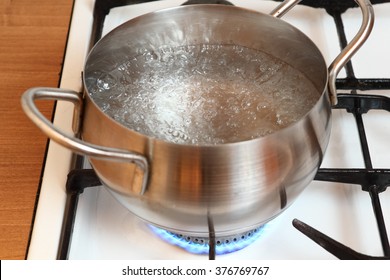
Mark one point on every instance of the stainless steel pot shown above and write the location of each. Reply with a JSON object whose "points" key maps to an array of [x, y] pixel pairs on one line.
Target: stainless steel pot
{"points": [[178, 186]]}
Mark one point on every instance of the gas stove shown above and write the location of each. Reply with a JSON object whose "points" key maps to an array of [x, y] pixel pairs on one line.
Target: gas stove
{"points": [[345, 209]]}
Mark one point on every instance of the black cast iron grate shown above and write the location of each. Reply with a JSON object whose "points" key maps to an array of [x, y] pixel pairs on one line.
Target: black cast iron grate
{"points": [[372, 180]]}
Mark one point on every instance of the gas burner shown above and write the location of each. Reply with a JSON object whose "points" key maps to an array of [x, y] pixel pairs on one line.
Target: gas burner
{"points": [[223, 2], [200, 245]]}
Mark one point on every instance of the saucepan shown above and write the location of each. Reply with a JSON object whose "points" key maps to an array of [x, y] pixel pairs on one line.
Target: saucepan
{"points": [[204, 112]]}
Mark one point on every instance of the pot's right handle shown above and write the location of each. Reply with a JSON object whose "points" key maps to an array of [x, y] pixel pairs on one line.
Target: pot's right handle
{"points": [[283, 8], [76, 145], [353, 46]]}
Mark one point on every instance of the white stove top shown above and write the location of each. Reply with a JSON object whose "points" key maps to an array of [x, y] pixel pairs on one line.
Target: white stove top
{"points": [[105, 230]]}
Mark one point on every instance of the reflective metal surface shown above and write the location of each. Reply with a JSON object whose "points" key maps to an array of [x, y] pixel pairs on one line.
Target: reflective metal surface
{"points": [[240, 185]]}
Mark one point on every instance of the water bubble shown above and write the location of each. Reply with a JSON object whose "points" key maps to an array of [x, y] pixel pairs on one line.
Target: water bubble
{"points": [[104, 106], [175, 133], [106, 82], [261, 106], [279, 121], [246, 102]]}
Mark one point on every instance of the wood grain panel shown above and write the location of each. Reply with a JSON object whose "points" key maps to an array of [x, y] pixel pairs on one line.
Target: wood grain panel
{"points": [[33, 38]]}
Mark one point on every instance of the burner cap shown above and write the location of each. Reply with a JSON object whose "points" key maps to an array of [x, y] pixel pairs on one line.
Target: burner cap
{"points": [[191, 2]]}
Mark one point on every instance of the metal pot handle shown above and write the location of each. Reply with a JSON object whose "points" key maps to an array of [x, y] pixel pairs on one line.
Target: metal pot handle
{"points": [[352, 47], [76, 145], [283, 8]]}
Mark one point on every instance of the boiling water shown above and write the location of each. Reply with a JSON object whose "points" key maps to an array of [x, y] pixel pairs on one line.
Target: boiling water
{"points": [[203, 94]]}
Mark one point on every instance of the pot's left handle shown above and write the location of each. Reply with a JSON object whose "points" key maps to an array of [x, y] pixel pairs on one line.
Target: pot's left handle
{"points": [[76, 145]]}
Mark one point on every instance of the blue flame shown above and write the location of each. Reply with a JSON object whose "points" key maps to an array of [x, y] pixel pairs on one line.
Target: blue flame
{"points": [[199, 246]]}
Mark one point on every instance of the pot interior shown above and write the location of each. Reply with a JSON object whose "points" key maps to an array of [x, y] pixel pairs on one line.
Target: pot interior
{"points": [[205, 75]]}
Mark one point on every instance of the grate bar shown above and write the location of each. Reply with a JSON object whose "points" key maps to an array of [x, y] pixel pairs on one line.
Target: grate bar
{"points": [[332, 246], [374, 194]]}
